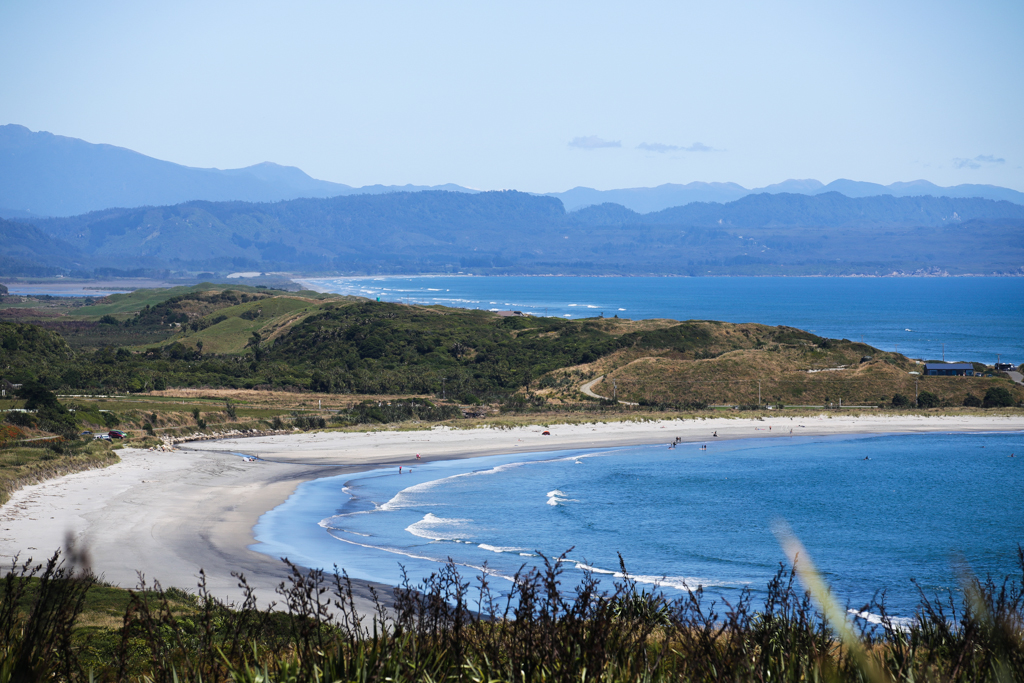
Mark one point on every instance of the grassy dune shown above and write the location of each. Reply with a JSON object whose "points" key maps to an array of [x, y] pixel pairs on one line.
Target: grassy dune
{"points": [[23, 465]]}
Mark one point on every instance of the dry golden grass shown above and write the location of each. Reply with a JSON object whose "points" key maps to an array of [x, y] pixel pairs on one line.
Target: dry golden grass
{"points": [[787, 377], [280, 400]]}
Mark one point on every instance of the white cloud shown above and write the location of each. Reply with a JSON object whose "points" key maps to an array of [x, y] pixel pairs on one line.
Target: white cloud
{"points": [[662, 148], [977, 161], [593, 142], [658, 147]]}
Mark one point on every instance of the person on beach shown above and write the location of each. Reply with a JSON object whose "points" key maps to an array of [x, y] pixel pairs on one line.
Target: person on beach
{"points": [[399, 469], [715, 434]]}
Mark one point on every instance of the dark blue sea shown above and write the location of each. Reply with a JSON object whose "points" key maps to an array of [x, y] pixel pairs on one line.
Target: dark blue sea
{"points": [[874, 512], [970, 319]]}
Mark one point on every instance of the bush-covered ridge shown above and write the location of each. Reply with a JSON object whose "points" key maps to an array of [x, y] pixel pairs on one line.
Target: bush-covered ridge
{"points": [[256, 340]]}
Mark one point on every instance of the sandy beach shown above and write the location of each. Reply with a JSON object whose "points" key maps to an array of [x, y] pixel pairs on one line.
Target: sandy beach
{"points": [[168, 514]]}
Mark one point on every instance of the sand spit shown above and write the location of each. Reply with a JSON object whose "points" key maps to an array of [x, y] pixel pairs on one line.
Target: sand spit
{"points": [[167, 514]]}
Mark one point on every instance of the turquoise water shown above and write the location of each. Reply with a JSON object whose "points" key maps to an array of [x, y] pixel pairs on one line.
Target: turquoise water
{"points": [[874, 512], [975, 318]]}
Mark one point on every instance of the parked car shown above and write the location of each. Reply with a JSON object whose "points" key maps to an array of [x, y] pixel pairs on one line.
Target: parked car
{"points": [[105, 437], [86, 433], [116, 434]]}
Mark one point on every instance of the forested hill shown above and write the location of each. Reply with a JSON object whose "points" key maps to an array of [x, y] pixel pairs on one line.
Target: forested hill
{"points": [[515, 232], [830, 209]]}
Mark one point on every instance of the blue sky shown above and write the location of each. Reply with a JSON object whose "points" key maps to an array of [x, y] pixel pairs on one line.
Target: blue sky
{"points": [[534, 96]]}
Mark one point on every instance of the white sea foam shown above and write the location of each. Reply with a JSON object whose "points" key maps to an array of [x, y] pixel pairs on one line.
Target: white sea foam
{"points": [[500, 549], [684, 583], [437, 528], [406, 553], [901, 623], [407, 496], [556, 497]]}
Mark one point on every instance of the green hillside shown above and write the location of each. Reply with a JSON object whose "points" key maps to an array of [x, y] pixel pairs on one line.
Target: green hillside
{"points": [[257, 339]]}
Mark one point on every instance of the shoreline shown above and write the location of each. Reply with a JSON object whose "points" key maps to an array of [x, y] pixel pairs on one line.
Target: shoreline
{"points": [[168, 514]]}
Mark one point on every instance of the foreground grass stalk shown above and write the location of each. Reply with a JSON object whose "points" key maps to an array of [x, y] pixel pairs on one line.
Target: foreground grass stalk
{"points": [[539, 630]]}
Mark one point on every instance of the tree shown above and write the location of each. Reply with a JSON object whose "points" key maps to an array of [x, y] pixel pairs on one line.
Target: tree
{"points": [[900, 401], [998, 397], [53, 416]]}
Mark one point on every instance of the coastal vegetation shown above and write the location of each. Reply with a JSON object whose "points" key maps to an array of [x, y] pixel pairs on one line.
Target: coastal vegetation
{"points": [[213, 358], [58, 622]]}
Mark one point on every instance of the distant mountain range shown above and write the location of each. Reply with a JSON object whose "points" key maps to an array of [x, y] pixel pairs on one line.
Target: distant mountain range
{"points": [[650, 199], [42, 174], [513, 232]]}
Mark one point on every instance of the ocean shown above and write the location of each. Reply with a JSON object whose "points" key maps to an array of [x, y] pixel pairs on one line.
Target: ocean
{"points": [[959, 319], [875, 512]]}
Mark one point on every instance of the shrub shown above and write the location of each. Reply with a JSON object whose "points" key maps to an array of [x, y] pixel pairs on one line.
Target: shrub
{"points": [[21, 419], [998, 397], [900, 401], [927, 399], [307, 422], [972, 401], [109, 320], [8, 434]]}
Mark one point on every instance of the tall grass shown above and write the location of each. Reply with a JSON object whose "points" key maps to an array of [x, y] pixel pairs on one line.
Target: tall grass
{"points": [[448, 628]]}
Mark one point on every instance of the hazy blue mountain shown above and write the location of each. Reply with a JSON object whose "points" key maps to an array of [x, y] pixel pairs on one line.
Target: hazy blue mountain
{"points": [[835, 210], [648, 199], [652, 199], [27, 250], [791, 186], [516, 232], [42, 174]]}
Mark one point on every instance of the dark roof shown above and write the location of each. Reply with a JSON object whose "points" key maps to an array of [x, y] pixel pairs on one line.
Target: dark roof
{"points": [[948, 366]]}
